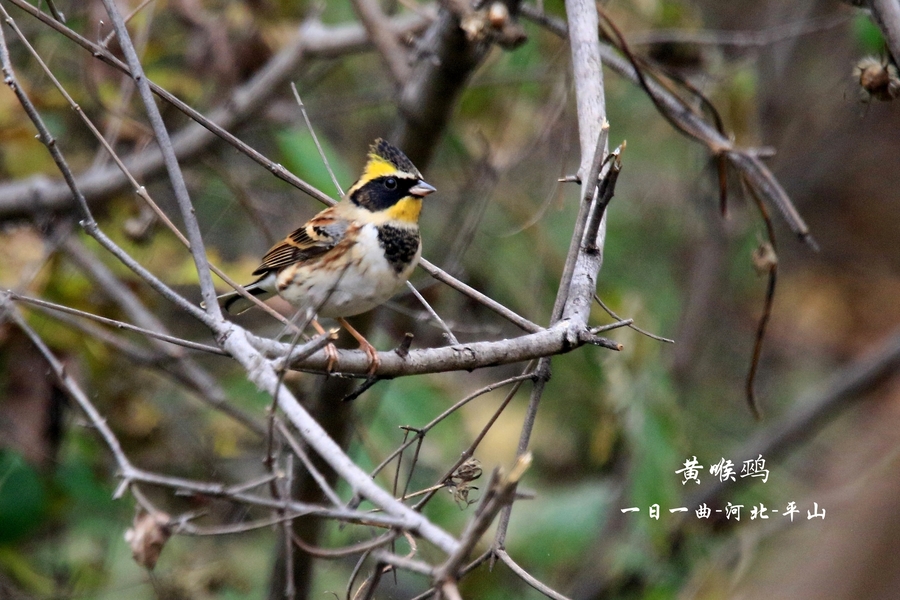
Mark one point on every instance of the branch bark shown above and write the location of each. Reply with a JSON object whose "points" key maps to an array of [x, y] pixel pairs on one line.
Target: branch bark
{"points": [[378, 27], [887, 15], [40, 194], [565, 336], [446, 61]]}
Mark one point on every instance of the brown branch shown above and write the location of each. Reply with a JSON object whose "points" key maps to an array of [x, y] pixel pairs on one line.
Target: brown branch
{"points": [[528, 577], [313, 40], [499, 494], [740, 39], [689, 122], [378, 27], [446, 58]]}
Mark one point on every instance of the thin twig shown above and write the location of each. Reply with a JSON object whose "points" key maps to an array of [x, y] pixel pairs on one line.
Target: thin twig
{"points": [[315, 138], [308, 464], [499, 494], [470, 451], [474, 294], [437, 319], [740, 39], [610, 312], [527, 577], [465, 571], [9, 311], [313, 39], [117, 324], [686, 120], [768, 262], [139, 190], [421, 432], [335, 553], [88, 222], [197, 247], [403, 562]]}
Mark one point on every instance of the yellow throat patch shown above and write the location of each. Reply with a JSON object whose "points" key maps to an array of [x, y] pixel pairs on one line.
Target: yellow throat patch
{"points": [[407, 210]]}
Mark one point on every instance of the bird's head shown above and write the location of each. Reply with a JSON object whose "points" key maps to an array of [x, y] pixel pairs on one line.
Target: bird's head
{"points": [[390, 184]]}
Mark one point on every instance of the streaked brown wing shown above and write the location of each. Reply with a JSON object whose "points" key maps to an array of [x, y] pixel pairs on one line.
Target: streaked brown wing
{"points": [[316, 237]]}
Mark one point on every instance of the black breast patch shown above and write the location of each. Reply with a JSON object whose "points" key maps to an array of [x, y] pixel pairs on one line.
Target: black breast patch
{"points": [[400, 245]]}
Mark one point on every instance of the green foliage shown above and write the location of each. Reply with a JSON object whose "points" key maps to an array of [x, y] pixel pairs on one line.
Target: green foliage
{"points": [[867, 34], [23, 498], [613, 427], [562, 524], [301, 157]]}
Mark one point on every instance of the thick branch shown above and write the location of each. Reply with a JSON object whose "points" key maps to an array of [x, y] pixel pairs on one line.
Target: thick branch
{"points": [[378, 27], [887, 15], [446, 60], [262, 373], [563, 337]]}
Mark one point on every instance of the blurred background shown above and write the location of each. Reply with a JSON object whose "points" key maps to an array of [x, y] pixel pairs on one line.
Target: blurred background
{"points": [[613, 428]]}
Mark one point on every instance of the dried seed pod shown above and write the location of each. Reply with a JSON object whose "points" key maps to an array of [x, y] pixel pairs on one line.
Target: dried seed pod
{"points": [[878, 79], [498, 15]]}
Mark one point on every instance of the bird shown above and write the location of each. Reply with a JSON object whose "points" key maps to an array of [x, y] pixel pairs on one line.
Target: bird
{"points": [[350, 257]]}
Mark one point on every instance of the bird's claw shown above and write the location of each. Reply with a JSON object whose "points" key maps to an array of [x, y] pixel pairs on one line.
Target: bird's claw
{"points": [[332, 355]]}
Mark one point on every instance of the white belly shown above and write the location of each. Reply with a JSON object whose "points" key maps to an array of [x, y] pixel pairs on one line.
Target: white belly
{"points": [[366, 281]]}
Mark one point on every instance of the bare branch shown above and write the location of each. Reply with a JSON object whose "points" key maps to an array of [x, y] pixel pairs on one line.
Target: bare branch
{"points": [[474, 294], [563, 337], [88, 223], [197, 247], [50, 306], [887, 15], [9, 311], [692, 124], [499, 494], [378, 27], [527, 577], [235, 341], [740, 39], [313, 40], [446, 58], [578, 282]]}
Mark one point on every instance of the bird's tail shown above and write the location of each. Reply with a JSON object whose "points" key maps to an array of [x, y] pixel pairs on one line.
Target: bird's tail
{"points": [[235, 304]]}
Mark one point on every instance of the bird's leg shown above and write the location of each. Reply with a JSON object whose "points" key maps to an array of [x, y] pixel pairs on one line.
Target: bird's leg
{"points": [[364, 345], [330, 351]]}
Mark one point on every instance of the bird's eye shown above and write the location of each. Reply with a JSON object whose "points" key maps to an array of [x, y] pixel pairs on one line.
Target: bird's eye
{"points": [[390, 183]]}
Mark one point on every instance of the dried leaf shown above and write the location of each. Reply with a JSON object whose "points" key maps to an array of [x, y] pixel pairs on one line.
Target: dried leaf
{"points": [[147, 536]]}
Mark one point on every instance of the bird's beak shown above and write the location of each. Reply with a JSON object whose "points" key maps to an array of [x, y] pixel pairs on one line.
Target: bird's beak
{"points": [[421, 189]]}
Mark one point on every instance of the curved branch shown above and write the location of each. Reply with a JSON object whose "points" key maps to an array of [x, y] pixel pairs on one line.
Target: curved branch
{"points": [[695, 126]]}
